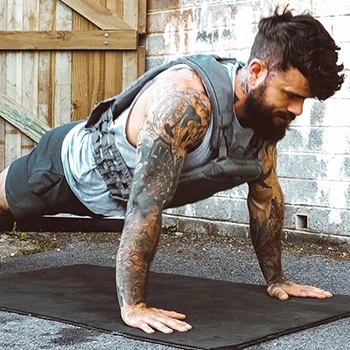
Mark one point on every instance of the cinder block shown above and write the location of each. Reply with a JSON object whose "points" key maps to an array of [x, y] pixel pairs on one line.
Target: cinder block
{"points": [[313, 166], [331, 220], [215, 208], [316, 140], [332, 112], [157, 22], [155, 45], [332, 194], [341, 25], [153, 62], [344, 92], [334, 8], [240, 192], [185, 210], [298, 192], [162, 5], [336, 112], [196, 3], [195, 227], [301, 166], [344, 53]]}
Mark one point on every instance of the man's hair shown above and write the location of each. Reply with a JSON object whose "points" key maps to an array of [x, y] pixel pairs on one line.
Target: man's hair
{"points": [[285, 41]]}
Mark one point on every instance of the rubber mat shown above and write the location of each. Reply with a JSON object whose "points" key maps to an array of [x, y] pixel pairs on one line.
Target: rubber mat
{"points": [[224, 315]]}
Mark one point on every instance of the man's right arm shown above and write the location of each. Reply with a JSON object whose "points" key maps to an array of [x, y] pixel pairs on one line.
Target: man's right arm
{"points": [[176, 121]]}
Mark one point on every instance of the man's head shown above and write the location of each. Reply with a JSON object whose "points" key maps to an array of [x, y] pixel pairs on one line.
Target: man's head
{"points": [[292, 58]]}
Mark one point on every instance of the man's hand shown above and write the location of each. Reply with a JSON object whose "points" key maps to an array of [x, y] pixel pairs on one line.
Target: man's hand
{"points": [[150, 319], [283, 290]]}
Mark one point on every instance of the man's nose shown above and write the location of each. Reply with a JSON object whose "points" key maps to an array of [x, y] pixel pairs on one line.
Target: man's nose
{"points": [[296, 107]]}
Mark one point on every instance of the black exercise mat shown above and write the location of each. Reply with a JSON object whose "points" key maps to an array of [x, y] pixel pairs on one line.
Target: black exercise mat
{"points": [[224, 315]]}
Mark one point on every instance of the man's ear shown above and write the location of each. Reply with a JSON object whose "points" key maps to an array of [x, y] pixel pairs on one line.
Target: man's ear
{"points": [[257, 72]]}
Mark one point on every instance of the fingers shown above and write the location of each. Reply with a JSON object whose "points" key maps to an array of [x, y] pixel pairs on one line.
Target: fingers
{"points": [[151, 326], [151, 319], [172, 314], [309, 292], [277, 292], [167, 325], [282, 291], [146, 328]]}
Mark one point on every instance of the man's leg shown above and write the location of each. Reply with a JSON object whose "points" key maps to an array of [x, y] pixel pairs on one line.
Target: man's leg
{"points": [[4, 207]]}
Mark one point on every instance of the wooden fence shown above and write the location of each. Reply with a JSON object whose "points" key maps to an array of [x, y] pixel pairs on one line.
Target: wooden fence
{"points": [[58, 58]]}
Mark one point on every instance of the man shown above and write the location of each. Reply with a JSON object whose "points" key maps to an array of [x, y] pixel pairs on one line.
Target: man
{"points": [[165, 134]]}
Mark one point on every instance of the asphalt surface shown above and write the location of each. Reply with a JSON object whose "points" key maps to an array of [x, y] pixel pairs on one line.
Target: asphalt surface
{"points": [[219, 259]]}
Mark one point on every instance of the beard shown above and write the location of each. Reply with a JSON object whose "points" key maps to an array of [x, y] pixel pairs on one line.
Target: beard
{"points": [[263, 118]]}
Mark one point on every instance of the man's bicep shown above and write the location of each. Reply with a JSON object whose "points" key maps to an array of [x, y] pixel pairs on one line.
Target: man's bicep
{"points": [[175, 123]]}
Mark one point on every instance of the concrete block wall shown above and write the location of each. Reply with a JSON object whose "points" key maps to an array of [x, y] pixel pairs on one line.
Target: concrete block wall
{"points": [[314, 157]]}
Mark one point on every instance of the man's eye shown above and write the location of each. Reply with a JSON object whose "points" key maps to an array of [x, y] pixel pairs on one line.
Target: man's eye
{"points": [[289, 95]]}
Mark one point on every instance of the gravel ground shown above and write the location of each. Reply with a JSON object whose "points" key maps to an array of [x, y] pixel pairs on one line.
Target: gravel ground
{"points": [[323, 265]]}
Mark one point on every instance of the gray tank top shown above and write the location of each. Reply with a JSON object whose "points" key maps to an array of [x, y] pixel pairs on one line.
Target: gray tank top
{"points": [[85, 180]]}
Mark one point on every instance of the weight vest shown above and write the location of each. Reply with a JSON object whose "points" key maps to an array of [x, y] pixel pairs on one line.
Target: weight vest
{"points": [[222, 172]]}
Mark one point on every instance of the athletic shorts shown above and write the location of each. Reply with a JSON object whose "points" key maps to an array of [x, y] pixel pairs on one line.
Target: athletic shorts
{"points": [[35, 183]]}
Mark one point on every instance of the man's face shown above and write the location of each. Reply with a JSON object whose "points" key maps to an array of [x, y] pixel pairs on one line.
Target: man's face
{"points": [[273, 104]]}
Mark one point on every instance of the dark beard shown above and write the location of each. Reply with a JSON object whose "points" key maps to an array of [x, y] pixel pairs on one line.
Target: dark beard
{"points": [[260, 117]]}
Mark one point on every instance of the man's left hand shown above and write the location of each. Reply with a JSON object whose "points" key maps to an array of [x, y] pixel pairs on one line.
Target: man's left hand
{"points": [[283, 290]]}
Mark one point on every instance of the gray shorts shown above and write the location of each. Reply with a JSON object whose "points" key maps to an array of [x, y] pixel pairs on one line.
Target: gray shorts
{"points": [[35, 183]]}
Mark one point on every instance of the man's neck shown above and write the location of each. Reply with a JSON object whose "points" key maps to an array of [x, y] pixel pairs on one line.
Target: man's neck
{"points": [[240, 96]]}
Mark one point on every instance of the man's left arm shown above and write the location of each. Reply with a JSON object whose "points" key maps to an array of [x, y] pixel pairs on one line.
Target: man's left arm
{"points": [[266, 210]]}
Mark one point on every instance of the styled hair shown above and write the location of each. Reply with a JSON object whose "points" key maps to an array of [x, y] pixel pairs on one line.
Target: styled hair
{"points": [[286, 41]]}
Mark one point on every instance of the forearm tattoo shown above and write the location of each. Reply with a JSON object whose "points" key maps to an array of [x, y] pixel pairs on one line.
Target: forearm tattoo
{"points": [[176, 123], [266, 207], [266, 238]]}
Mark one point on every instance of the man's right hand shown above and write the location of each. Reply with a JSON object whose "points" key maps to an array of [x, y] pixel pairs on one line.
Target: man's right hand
{"points": [[150, 319]]}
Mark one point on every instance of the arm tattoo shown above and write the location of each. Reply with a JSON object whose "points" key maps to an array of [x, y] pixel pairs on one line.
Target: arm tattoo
{"points": [[263, 177], [174, 125], [188, 74], [266, 239], [266, 208]]}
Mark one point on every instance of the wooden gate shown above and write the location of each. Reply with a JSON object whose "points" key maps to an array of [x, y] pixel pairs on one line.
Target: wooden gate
{"points": [[58, 58]]}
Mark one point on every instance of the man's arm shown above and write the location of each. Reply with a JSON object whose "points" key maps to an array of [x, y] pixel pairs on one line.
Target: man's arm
{"points": [[175, 122], [266, 209]]}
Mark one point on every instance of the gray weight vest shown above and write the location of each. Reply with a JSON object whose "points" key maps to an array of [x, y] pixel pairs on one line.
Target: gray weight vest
{"points": [[222, 172]]}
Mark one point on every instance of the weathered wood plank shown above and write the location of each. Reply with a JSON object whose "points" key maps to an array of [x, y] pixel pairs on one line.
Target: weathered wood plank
{"points": [[131, 13], [114, 61], [47, 21], [142, 16], [3, 20], [96, 72], [30, 68], [97, 14], [13, 81], [21, 119], [68, 40], [141, 67], [62, 70], [113, 79], [96, 83], [130, 58], [81, 105]]}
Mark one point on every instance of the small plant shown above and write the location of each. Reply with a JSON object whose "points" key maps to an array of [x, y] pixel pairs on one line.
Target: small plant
{"points": [[24, 236], [170, 228], [14, 227]]}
